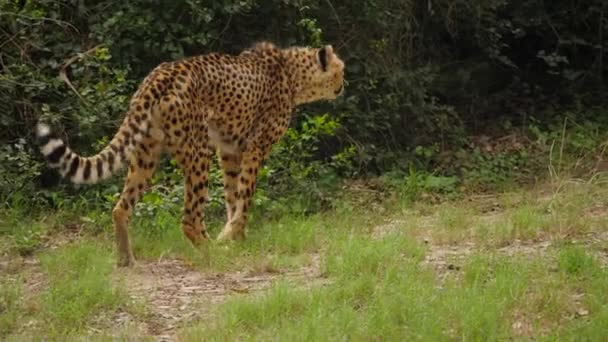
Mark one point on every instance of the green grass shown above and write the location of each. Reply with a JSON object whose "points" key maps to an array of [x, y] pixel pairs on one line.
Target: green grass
{"points": [[277, 243], [373, 286], [79, 289], [379, 293], [574, 260], [79, 286], [455, 222], [10, 305]]}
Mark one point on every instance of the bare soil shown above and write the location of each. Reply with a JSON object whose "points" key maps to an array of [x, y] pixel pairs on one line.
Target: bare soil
{"points": [[176, 293]]}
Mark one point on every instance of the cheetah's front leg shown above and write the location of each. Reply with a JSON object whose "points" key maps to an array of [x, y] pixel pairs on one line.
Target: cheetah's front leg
{"points": [[250, 163]]}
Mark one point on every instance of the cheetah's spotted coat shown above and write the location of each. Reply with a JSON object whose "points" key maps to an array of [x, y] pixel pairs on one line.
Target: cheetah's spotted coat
{"points": [[240, 105]]}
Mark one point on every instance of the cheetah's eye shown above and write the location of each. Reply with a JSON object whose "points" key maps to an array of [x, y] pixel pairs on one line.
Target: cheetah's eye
{"points": [[323, 58]]}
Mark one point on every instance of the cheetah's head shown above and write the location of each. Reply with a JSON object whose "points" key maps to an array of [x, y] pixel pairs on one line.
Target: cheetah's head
{"points": [[318, 74]]}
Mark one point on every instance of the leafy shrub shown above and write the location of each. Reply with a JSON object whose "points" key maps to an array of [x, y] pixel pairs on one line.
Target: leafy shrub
{"points": [[415, 183], [422, 76], [295, 170]]}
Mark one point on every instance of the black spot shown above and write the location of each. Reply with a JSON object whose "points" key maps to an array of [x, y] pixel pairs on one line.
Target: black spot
{"points": [[73, 167], [133, 127], [44, 139], [200, 186], [145, 149], [111, 161], [99, 168], [87, 169], [232, 174], [57, 153], [121, 151]]}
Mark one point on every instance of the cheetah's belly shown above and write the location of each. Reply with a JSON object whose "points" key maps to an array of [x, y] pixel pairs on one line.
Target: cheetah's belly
{"points": [[218, 141]]}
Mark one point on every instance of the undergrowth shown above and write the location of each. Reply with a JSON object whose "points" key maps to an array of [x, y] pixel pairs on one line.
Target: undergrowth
{"points": [[379, 282]]}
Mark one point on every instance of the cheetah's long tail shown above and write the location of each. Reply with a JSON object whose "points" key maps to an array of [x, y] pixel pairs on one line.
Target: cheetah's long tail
{"points": [[92, 169]]}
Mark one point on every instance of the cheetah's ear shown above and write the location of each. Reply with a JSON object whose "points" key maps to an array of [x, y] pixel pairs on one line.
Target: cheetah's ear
{"points": [[324, 54]]}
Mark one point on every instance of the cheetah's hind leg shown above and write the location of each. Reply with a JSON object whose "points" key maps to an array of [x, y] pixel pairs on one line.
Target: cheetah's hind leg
{"points": [[141, 169]]}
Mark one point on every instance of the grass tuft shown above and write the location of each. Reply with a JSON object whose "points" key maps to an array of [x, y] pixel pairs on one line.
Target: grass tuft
{"points": [[80, 287], [10, 305], [407, 271]]}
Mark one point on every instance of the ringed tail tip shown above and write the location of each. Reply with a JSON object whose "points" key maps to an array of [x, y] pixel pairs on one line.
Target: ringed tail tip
{"points": [[42, 130]]}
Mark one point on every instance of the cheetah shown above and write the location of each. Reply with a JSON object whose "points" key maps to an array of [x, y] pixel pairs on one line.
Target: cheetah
{"points": [[236, 106]]}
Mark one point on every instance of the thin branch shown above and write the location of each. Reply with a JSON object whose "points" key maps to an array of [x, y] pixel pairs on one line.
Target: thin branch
{"points": [[11, 39], [335, 13], [54, 21], [601, 56], [225, 26], [22, 50], [353, 33], [63, 72]]}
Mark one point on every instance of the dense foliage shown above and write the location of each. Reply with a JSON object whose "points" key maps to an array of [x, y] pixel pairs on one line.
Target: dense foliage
{"points": [[424, 76]]}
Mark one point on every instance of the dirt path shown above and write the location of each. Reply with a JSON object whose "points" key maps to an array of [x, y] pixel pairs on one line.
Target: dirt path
{"points": [[450, 257], [445, 258], [177, 294]]}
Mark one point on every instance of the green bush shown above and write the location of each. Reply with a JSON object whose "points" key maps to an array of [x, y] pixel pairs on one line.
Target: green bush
{"points": [[422, 76]]}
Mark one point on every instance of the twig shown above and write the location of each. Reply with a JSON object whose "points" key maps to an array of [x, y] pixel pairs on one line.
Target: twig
{"points": [[63, 72], [335, 13], [561, 147], [22, 51], [11, 39], [601, 57], [225, 26], [55, 21]]}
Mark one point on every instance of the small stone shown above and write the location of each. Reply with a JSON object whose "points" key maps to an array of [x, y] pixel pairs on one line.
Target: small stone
{"points": [[453, 267]]}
